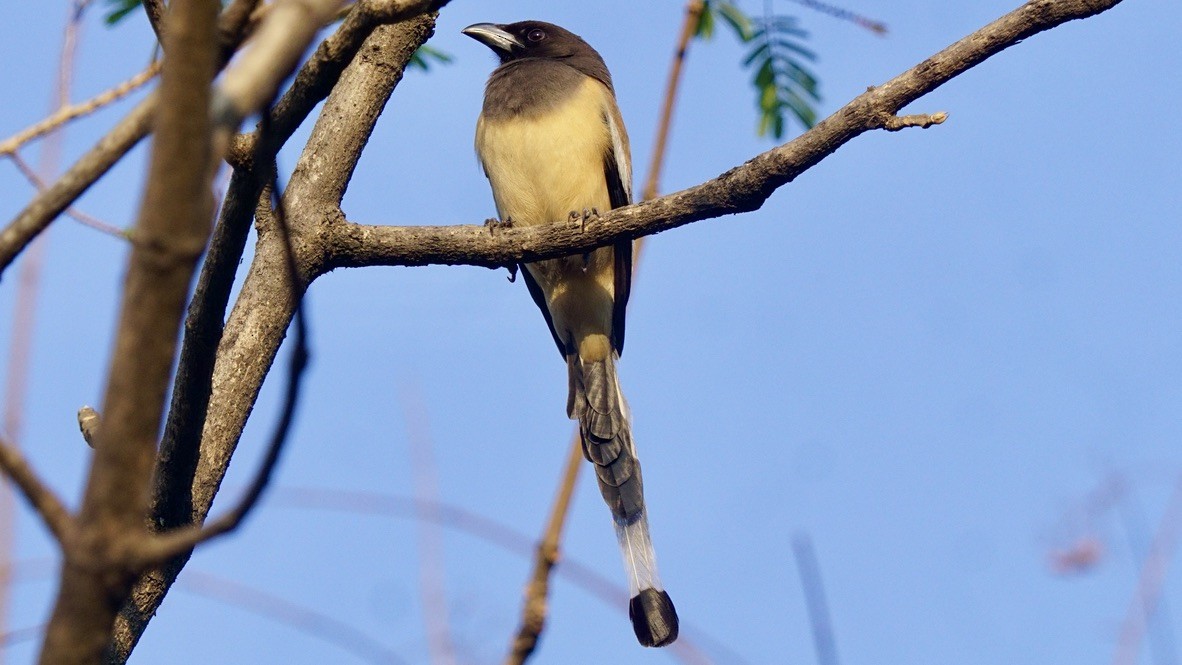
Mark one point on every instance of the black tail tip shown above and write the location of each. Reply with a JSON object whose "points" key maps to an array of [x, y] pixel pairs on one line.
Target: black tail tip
{"points": [[654, 618]]}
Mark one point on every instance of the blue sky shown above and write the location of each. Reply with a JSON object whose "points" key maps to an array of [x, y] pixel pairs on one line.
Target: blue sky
{"points": [[925, 353]]}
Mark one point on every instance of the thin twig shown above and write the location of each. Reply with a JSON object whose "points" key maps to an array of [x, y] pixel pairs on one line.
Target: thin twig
{"points": [[46, 206], [534, 610], [72, 112], [1157, 616], [77, 215], [922, 120], [1151, 580], [253, 81], [875, 26], [814, 597], [693, 14], [306, 620], [233, 26], [18, 635], [38, 213], [431, 555], [29, 281], [686, 649], [303, 619], [45, 503]]}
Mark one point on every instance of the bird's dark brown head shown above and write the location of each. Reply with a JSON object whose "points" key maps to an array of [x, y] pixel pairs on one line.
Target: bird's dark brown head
{"points": [[530, 39]]}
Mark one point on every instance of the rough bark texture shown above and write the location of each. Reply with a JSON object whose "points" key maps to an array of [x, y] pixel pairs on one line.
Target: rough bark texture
{"points": [[259, 320], [171, 233]]}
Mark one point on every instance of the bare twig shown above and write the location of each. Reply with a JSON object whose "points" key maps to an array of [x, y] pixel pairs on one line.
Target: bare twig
{"points": [[253, 158], [875, 26], [923, 121], [1149, 584], [41, 211], [814, 597], [431, 556], [45, 503], [1157, 614], [37, 215], [233, 27], [686, 648], [693, 14], [392, 11], [533, 612], [19, 635], [741, 189], [330, 182], [280, 41], [81, 217], [253, 80], [29, 282], [304, 619], [72, 112]]}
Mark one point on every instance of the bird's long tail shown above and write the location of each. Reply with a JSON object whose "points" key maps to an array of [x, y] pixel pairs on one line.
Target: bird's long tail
{"points": [[598, 404]]}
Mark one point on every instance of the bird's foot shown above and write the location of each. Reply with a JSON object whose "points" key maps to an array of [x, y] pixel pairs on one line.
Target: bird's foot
{"points": [[591, 215], [513, 273], [581, 218], [494, 225]]}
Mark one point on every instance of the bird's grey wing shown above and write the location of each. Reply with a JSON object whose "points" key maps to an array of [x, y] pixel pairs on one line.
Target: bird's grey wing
{"points": [[535, 291], [617, 169]]}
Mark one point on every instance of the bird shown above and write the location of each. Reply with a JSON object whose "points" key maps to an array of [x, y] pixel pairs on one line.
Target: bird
{"points": [[552, 143]]}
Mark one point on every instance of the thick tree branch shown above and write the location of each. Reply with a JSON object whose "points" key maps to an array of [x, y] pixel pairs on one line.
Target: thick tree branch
{"points": [[741, 189], [252, 81], [392, 11], [156, 10], [264, 309], [156, 550], [233, 24], [281, 40], [170, 235], [45, 503], [173, 504]]}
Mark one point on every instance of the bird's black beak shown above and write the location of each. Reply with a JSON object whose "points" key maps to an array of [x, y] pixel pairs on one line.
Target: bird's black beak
{"points": [[503, 43]]}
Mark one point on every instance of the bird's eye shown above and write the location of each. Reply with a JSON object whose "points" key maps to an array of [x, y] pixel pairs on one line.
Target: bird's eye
{"points": [[536, 35]]}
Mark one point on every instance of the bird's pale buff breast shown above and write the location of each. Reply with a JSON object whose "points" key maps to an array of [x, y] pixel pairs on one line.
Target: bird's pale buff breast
{"points": [[540, 173]]}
